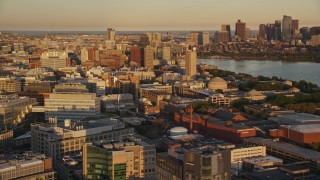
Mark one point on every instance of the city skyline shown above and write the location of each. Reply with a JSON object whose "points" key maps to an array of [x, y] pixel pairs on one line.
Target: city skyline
{"points": [[126, 15]]}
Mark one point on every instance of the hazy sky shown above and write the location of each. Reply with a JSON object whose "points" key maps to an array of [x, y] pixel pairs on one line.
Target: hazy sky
{"points": [[150, 14]]}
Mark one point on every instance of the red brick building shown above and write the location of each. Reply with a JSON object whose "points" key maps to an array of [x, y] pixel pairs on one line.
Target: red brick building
{"points": [[303, 134], [214, 127], [136, 55]]}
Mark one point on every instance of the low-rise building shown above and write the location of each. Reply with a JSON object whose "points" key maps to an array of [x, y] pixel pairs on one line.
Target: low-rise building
{"points": [[302, 134], [258, 163], [240, 153], [27, 166], [10, 85], [267, 110], [288, 152], [5, 139], [296, 118], [13, 109]]}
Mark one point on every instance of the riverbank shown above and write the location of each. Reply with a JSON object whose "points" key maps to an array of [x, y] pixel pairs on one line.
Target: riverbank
{"points": [[308, 71], [261, 57]]}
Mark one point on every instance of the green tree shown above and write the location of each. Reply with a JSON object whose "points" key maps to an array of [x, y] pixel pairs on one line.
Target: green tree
{"points": [[240, 103]]}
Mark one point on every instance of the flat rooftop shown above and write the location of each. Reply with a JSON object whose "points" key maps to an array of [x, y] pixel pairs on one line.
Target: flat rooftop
{"points": [[300, 117], [286, 147], [262, 159], [306, 128], [235, 126]]}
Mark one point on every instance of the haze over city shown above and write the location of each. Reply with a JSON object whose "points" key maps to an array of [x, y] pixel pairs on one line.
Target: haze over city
{"points": [[159, 15], [160, 89]]}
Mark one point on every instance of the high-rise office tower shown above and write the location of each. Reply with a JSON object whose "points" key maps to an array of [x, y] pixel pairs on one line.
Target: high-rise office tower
{"points": [[270, 31], [111, 34], [314, 31], [226, 27], [156, 36], [241, 29], [204, 38], [91, 54], [286, 28], [305, 33], [221, 36], [194, 37], [136, 55], [191, 63], [295, 24], [248, 33], [110, 42], [149, 57], [84, 54], [166, 53], [262, 31], [277, 30]]}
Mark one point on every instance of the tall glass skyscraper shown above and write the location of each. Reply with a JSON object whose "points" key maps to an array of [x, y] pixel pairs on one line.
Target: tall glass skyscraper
{"points": [[286, 28], [277, 30]]}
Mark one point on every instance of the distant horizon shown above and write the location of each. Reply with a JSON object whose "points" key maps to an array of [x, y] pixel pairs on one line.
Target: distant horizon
{"points": [[146, 15]]}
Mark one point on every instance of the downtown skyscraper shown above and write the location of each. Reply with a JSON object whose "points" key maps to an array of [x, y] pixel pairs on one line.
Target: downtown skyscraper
{"points": [[286, 28]]}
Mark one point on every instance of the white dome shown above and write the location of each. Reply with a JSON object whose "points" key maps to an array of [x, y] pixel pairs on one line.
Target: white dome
{"points": [[177, 131], [217, 83]]}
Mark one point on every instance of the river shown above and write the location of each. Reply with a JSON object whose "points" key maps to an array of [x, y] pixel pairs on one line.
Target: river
{"points": [[308, 71]]}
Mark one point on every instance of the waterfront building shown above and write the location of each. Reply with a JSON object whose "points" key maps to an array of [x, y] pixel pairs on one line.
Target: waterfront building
{"points": [[262, 31], [226, 27], [204, 38], [221, 36], [194, 37], [241, 30]]}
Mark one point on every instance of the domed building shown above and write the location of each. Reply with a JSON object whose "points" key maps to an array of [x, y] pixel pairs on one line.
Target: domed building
{"points": [[217, 83], [178, 131]]}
